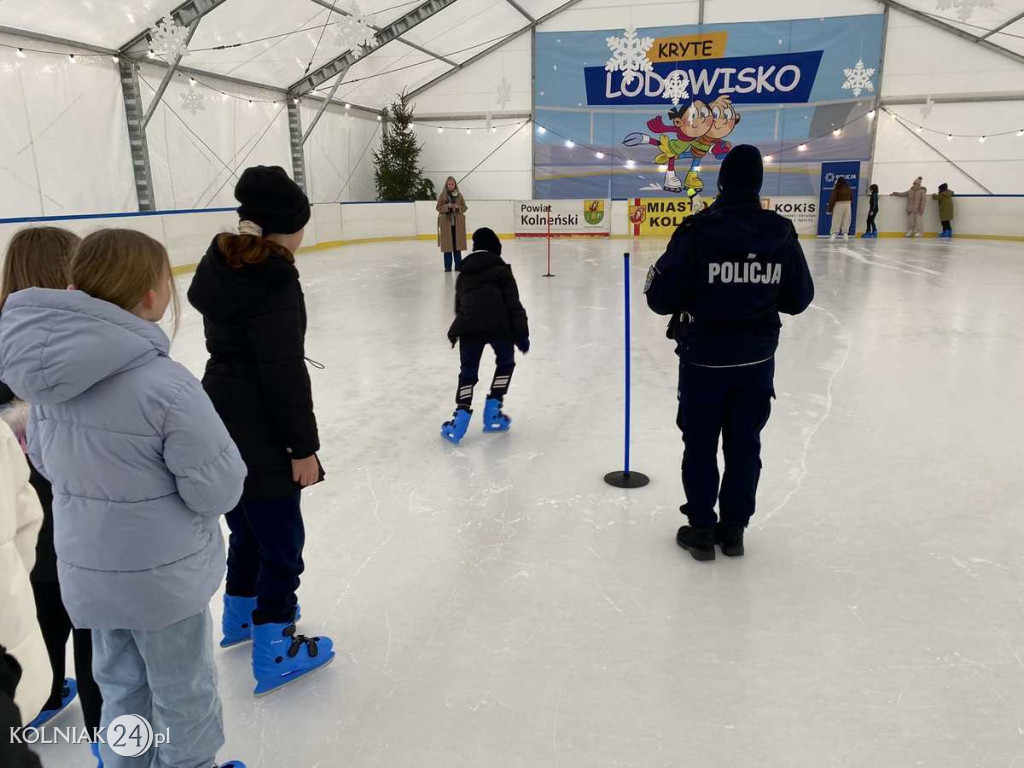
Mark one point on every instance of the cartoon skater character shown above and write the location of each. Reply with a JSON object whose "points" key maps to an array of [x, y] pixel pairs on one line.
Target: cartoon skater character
{"points": [[726, 118], [689, 125]]}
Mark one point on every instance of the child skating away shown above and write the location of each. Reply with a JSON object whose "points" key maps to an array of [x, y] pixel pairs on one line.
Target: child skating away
{"points": [[945, 199], [40, 257], [142, 469], [871, 231], [254, 315], [487, 312]]}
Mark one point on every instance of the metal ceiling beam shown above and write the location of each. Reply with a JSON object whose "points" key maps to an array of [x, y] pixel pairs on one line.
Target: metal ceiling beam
{"points": [[39, 36], [185, 14], [491, 49], [976, 98], [700, 13], [339, 65], [420, 48], [939, 24], [446, 116], [522, 11], [1003, 26], [167, 77]]}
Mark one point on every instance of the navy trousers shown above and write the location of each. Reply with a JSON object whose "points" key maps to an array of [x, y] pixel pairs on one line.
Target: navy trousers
{"points": [[265, 556], [470, 353], [733, 403]]}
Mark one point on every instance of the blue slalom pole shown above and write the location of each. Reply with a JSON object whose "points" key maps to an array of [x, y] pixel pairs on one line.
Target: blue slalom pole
{"points": [[625, 478]]}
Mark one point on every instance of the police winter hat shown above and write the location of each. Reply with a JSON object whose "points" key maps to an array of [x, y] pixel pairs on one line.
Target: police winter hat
{"points": [[484, 239], [271, 199], [742, 171]]}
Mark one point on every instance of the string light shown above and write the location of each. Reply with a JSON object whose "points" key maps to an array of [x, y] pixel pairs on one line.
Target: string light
{"points": [[348, 106], [599, 155], [71, 58], [570, 143], [950, 137], [767, 158], [541, 130], [919, 129], [871, 115], [1020, 133], [440, 129], [837, 132], [802, 148], [192, 82], [981, 139], [468, 131], [21, 53]]}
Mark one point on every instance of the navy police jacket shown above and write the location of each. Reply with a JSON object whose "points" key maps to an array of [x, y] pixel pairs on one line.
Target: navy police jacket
{"points": [[727, 274]]}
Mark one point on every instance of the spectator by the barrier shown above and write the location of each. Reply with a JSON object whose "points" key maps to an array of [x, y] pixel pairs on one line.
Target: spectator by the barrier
{"points": [[915, 207], [451, 224], [945, 198]]}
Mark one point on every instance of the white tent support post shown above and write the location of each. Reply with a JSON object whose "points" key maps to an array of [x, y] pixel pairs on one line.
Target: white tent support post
{"points": [[168, 75], [338, 66], [136, 134], [420, 48], [488, 51], [878, 93], [295, 141], [939, 24]]}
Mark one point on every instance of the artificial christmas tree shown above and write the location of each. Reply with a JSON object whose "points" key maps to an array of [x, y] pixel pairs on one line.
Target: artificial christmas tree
{"points": [[396, 162]]}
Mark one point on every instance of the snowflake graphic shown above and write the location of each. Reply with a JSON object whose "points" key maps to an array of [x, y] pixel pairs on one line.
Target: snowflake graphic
{"points": [[169, 39], [193, 101], [858, 79], [629, 54], [964, 8], [927, 107], [675, 87], [354, 30], [504, 93]]}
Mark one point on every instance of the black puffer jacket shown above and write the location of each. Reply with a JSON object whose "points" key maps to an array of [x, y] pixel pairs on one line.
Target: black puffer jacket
{"points": [[255, 323], [487, 306]]}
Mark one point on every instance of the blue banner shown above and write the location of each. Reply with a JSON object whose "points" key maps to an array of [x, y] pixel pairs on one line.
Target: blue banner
{"points": [[783, 79], [652, 112], [830, 172]]}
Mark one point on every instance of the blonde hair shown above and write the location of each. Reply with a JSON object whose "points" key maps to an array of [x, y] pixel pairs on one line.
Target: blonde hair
{"points": [[39, 257], [122, 266]]}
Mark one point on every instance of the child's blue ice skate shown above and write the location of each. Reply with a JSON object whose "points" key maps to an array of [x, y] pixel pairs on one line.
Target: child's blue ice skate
{"points": [[236, 623], [232, 764], [279, 656], [494, 419], [66, 697], [453, 431]]}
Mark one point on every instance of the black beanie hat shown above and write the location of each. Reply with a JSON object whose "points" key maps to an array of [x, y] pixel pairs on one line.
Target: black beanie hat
{"points": [[742, 171], [943, 187], [484, 239], [271, 199]]}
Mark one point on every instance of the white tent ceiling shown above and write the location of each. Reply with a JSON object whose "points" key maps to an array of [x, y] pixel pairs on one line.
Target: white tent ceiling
{"points": [[276, 42]]}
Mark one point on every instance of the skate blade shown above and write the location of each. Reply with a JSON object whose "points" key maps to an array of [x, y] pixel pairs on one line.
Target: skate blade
{"points": [[497, 428], [225, 643], [451, 438], [262, 689]]}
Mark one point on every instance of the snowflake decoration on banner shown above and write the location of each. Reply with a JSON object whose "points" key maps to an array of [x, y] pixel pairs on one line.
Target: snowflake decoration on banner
{"points": [[169, 38], [193, 101], [629, 54], [964, 8], [355, 30], [858, 79], [675, 87], [504, 93], [927, 107]]}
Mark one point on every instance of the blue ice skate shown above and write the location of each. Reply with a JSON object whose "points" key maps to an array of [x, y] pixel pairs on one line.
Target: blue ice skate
{"points": [[232, 764], [494, 419], [94, 747], [453, 431], [66, 697], [279, 656], [236, 622]]}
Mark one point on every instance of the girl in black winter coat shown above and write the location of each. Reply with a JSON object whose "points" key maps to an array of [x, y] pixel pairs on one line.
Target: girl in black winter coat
{"points": [[487, 312], [254, 315]]}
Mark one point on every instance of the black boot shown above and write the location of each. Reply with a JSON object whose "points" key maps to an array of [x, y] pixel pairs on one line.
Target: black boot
{"points": [[730, 538], [699, 542]]}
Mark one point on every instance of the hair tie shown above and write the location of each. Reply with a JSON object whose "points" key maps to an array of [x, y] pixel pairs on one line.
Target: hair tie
{"points": [[246, 227]]}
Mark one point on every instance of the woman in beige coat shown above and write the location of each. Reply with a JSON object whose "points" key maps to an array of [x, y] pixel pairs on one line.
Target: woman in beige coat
{"points": [[915, 207], [451, 223]]}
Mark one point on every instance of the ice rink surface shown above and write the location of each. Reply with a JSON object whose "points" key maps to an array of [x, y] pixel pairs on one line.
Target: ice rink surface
{"points": [[496, 604]]}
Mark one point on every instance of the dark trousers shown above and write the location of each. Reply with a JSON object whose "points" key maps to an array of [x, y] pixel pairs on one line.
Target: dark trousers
{"points": [[871, 221], [947, 226], [470, 353], [265, 556], [56, 628], [734, 403], [448, 256]]}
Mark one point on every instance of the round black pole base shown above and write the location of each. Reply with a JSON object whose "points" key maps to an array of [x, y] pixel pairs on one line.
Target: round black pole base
{"points": [[627, 479], [548, 274]]}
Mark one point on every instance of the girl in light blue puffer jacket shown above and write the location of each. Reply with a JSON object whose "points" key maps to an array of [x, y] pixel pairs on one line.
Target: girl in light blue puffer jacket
{"points": [[142, 469]]}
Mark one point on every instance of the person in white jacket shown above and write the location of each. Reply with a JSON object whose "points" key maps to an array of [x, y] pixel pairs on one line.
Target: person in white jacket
{"points": [[20, 519]]}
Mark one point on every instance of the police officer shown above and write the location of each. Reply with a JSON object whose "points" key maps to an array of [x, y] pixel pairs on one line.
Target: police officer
{"points": [[727, 274]]}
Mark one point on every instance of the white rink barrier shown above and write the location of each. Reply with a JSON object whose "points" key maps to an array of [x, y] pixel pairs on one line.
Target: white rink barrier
{"points": [[188, 233]]}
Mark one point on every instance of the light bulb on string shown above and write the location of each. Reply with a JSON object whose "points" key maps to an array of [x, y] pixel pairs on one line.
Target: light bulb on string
{"points": [[837, 132], [440, 129], [767, 158], [569, 143], [192, 82], [541, 130], [599, 155], [1020, 133], [802, 148], [871, 115], [918, 128], [981, 139], [950, 137], [468, 131], [71, 58], [20, 54]]}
